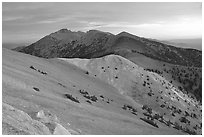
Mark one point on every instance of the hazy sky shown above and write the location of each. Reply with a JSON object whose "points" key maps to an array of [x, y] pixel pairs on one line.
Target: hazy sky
{"points": [[28, 22]]}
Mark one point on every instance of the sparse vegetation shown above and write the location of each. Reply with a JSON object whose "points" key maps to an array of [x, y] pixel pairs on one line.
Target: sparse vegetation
{"points": [[101, 96], [162, 106], [71, 98], [36, 89], [184, 120], [151, 122], [88, 101], [148, 109], [42, 72], [130, 108], [86, 95], [32, 67], [154, 70], [62, 85]]}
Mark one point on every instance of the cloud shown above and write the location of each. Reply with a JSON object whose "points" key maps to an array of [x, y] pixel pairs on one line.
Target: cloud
{"points": [[156, 20], [24, 6], [10, 18], [181, 26], [94, 25], [52, 20]]}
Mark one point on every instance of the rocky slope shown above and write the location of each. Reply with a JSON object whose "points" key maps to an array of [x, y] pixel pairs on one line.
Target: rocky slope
{"points": [[95, 43], [107, 95]]}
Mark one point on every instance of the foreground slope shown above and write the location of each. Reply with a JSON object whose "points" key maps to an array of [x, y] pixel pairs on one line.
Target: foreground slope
{"points": [[52, 96]]}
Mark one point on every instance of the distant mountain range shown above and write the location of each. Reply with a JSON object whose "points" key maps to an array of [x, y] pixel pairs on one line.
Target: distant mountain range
{"points": [[13, 45], [94, 43], [186, 43]]}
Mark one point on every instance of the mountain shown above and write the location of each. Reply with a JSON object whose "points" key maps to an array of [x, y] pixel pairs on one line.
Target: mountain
{"points": [[48, 45], [14, 45], [106, 95], [94, 43], [186, 43]]}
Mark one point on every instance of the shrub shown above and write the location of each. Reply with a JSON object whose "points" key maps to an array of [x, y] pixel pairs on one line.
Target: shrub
{"points": [[191, 132], [93, 98], [149, 110], [71, 98], [124, 107], [101, 96], [168, 123], [156, 116], [150, 94], [44, 73], [88, 101], [144, 107], [184, 120], [162, 106], [151, 122], [36, 89], [148, 115], [83, 92], [177, 126], [32, 67]]}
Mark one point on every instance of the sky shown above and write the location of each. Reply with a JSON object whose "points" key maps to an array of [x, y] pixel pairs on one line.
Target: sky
{"points": [[28, 22]]}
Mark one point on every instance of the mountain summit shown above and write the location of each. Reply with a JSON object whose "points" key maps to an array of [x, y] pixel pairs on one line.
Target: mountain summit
{"points": [[65, 35]]}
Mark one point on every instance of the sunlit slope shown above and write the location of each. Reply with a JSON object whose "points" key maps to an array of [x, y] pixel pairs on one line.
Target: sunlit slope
{"points": [[64, 99], [146, 88]]}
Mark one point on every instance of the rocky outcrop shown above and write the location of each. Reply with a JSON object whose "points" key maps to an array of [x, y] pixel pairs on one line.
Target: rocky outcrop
{"points": [[22, 121], [60, 130], [18, 122], [52, 122]]}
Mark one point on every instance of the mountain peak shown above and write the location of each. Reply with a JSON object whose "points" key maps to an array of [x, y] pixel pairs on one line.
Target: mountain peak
{"points": [[124, 33], [98, 31], [64, 30], [65, 36], [94, 31]]}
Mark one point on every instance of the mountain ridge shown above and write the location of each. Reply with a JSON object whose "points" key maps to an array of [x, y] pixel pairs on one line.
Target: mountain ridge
{"points": [[96, 43]]}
